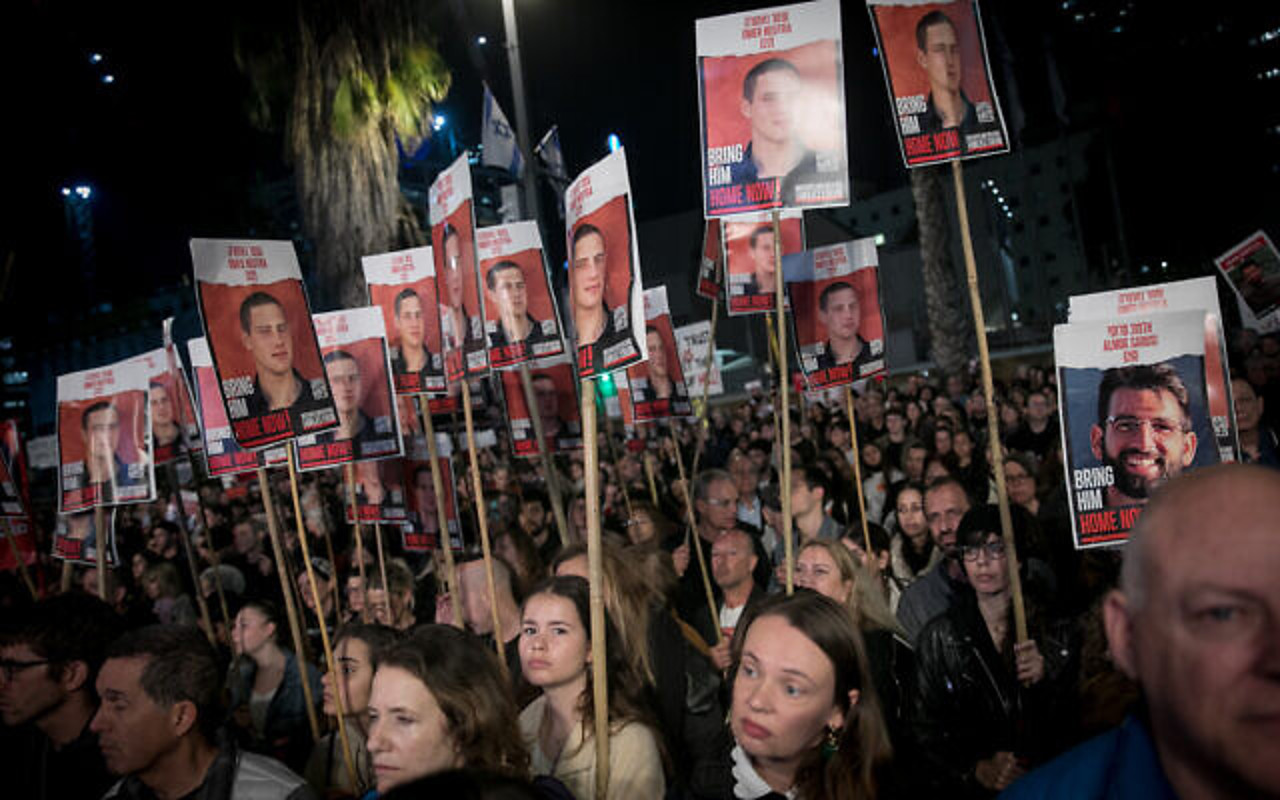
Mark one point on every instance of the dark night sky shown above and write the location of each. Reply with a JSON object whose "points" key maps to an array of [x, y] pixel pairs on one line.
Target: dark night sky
{"points": [[170, 155]]}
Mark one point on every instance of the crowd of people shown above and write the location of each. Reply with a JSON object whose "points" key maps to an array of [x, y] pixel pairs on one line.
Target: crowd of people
{"points": [[896, 668]]}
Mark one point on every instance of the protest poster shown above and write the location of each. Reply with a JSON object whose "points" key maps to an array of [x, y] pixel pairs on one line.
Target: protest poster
{"points": [[1134, 413], [403, 285], [1252, 268], [26, 543], [257, 324], [657, 384], [353, 344], [104, 437], [380, 491], [771, 106], [711, 265], [606, 312], [453, 225], [223, 455], [16, 459], [163, 397], [836, 320], [934, 57], [521, 321], [750, 261], [1196, 294], [555, 388], [75, 538], [11, 501], [422, 531], [691, 344], [182, 398]]}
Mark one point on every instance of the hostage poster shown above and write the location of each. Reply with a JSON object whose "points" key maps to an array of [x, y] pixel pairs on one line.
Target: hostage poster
{"points": [[555, 390], [1253, 269], [257, 323], [176, 403], [658, 389], [606, 311], [1196, 294], [750, 260], [521, 321], [223, 455], [75, 538], [1134, 414], [403, 285], [453, 225], [771, 108], [380, 494], [353, 344], [836, 321], [934, 57], [421, 533], [711, 265], [104, 437]]}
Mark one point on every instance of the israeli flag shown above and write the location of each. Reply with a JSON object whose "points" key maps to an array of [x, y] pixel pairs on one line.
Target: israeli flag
{"points": [[548, 150], [499, 140]]}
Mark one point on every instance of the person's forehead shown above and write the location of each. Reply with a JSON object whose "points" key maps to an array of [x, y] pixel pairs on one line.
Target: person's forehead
{"points": [[108, 414], [266, 313], [410, 303], [19, 651], [777, 644], [122, 674], [947, 496], [775, 80], [343, 366], [1244, 541], [939, 32], [589, 244], [1135, 400]]}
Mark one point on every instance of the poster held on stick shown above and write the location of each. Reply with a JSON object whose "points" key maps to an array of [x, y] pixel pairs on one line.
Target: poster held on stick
{"points": [[658, 388], [550, 476], [784, 406], [257, 323], [403, 285], [453, 244], [606, 309], [521, 319], [76, 538], [223, 455], [751, 258], [595, 577], [555, 399], [771, 107], [711, 265], [934, 57], [482, 518], [439, 487], [1252, 268]]}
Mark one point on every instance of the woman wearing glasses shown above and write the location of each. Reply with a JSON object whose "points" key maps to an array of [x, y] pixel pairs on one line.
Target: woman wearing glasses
{"points": [[990, 708]]}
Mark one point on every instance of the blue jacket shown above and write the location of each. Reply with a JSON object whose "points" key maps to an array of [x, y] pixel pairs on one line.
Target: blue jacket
{"points": [[1117, 765]]}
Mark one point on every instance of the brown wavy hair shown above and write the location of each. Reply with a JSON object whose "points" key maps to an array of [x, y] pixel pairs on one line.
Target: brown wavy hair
{"points": [[466, 680]]}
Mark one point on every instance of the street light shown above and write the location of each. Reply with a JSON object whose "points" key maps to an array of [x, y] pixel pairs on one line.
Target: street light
{"points": [[438, 122], [95, 58], [482, 40], [614, 143]]}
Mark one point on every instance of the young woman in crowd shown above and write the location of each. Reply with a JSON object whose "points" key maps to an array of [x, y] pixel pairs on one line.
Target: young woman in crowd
{"points": [[265, 687], [804, 716], [439, 702], [355, 649], [169, 603], [989, 707], [913, 551], [559, 726]]}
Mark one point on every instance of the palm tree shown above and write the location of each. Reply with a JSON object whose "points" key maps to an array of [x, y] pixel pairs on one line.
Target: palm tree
{"points": [[950, 332], [345, 79]]}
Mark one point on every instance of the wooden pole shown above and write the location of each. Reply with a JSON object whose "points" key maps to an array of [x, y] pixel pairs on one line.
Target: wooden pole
{"points": [[185, 533], [857, 475], [482, 517], [315, 599], [382, 569], [993, 419], [548, 464], [697, 542], [100, 534], [442, 515], [213, 551], [701, 425], [783, 380], [335, 583], [22, 565], [350, 475], [286, 588], [613, 455], [68, 574], [650, 475], [595, 574]]}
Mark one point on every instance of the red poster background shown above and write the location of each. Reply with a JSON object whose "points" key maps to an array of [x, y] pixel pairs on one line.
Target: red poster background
{"points": [[384, 296], [804, 304], [128, 405], [613, 221], [898, 37], [221, 308]]}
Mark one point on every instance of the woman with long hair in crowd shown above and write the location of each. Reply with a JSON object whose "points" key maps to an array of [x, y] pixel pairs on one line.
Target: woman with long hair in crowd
{"points": [[265, 686], [169, 603], [912, 549], [355, 649], [559, 726], [804, 716], [439, 702]]}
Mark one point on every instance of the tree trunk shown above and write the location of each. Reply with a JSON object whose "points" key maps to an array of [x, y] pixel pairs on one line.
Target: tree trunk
{"points": [[348, 186], [950, 329]]}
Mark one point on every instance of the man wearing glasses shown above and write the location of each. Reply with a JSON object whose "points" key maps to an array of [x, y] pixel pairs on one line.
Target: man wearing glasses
{"points": [[1143, 435]]}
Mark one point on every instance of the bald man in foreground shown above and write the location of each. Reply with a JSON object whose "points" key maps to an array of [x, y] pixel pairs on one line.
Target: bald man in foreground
{"points": [[1196, 622]]}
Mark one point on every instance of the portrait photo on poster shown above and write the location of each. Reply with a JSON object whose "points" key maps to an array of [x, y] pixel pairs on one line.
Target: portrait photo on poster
{"points": [[453, 245], [75, 538], [164, 396], [403, 285], [934, 58], [711, 265], [368, 422], [1253, 270], [836, 322], [104, 437], [521, 318], [555, 390], [223, 455], [422, 533], [658, 388], [751, 262], [772, 109], [380, 495]]}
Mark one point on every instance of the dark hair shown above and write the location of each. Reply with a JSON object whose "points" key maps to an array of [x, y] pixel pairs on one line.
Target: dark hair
{"points": [[251, 302], [814, 478], [1143, 377], [935, 17], [581, 232], [403, 295], [376, 637], [760, 230], [64, 628], [863, 741], [764, 68], [832, 289], [536, 496], [464, 784], [269, 610], [181, 667], [501, 265], [466, 681], [93, 409], [984, 520], [341, 355]]}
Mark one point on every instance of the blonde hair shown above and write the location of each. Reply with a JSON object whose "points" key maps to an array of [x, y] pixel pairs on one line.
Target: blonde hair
{"points": [[867, 603]]}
